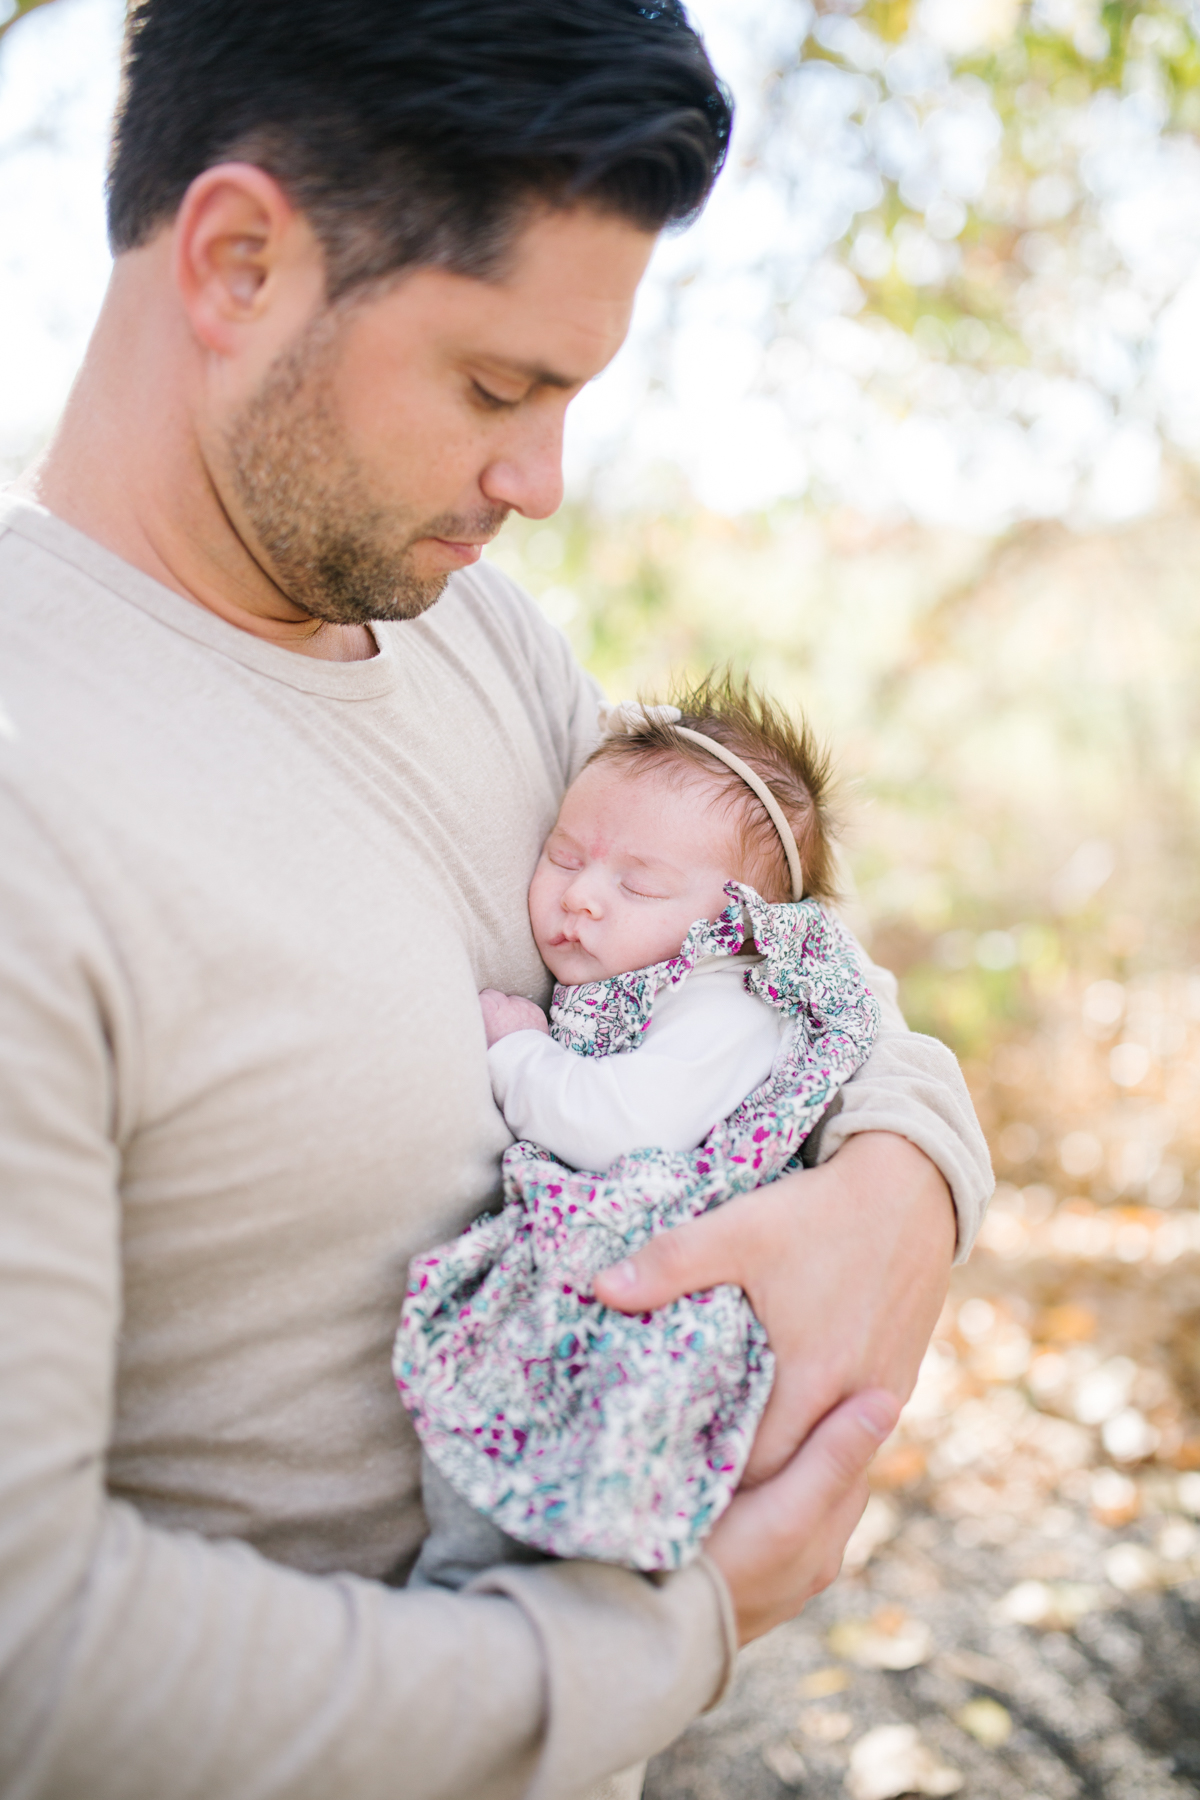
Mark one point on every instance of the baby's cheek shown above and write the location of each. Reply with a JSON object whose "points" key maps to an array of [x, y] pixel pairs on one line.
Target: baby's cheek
{"points": [[543, 905], [654, 936]]}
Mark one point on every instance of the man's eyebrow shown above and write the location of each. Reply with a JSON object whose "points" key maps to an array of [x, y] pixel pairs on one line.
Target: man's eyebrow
{"points": [[536, 373]]}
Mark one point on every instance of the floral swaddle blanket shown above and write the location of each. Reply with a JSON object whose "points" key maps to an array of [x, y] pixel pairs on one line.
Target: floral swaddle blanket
{"points": [[587, 1432]]}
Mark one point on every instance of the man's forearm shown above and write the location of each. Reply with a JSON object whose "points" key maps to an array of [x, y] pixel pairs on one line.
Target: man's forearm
{"points": [[875, 1230], [890, 1194], [182, 1667], [911, 1086], [878, 1166]]}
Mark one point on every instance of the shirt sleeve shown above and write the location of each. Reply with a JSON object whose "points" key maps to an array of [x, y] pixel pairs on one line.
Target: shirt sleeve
{"points": [[912, 1085], [143, 1664], [709, 1044]]}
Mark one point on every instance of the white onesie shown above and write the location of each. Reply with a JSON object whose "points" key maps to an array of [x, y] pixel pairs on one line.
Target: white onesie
{"points": [[709, 1043]]}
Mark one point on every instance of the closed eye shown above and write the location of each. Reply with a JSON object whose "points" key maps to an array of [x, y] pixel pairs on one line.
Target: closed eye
{"points": [[640, 893], [492, 402]]}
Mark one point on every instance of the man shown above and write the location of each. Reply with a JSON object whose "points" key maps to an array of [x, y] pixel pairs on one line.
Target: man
{"points": [[275, 763]]}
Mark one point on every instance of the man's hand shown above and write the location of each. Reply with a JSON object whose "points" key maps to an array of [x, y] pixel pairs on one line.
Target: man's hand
{"points": [[846, 1266], [506, 1013], [782, 1542]]}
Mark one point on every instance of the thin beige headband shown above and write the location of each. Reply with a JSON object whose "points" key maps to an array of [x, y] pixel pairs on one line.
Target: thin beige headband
{"points": [[626, 717]]}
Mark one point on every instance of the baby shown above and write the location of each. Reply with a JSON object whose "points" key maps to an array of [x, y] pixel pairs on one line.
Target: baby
{"points": [[686, 1061], [646, 841]]}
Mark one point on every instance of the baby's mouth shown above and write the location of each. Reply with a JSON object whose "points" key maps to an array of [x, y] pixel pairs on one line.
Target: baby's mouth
{"points": [[564, 941]]}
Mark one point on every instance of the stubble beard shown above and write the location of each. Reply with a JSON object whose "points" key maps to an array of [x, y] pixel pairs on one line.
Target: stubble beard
{"points": [[333, 548]]}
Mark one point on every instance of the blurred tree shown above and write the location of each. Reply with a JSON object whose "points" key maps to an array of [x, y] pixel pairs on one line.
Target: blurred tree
{"points": [[15, 10], [1027, 216], [984, 124], [964, 236]]}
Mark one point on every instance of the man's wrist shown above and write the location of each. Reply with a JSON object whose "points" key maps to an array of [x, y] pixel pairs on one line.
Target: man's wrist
{"points": [[871, 1165]]}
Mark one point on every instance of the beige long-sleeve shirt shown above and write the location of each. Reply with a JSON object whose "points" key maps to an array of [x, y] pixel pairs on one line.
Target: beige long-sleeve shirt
{"points": [[247, 900]]}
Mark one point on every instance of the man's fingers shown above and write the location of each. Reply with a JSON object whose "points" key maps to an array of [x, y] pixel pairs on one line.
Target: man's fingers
{"points": [[834, 1458], [780, 1543], [701, 1254], [842, 1520], [801, 1395]]}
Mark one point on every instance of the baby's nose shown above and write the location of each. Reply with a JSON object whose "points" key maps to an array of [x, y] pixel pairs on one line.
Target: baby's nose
{"points": [[581, 896]]}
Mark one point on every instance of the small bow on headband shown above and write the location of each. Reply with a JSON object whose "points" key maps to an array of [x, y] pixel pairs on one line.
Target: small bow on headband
{"points": [[621, 718]]}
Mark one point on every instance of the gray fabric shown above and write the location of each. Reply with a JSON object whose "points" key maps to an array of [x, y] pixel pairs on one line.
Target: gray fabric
{"points": [[461, 1543], [625, 1786]]}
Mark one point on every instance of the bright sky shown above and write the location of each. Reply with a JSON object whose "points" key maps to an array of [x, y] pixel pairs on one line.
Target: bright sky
{"points": [[58, 82], [716, 406]]}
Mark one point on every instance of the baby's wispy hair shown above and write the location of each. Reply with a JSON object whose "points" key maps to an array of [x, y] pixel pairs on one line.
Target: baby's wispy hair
{"points": [[783, 751]]}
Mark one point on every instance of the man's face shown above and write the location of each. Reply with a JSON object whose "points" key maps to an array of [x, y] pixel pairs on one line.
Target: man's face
{"points": [[393, 437]]}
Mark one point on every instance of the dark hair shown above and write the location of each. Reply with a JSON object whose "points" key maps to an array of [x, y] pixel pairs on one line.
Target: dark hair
{"points": [[784, 752], [418, 131]]}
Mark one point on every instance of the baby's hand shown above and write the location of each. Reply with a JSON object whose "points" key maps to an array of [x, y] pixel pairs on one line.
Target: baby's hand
{"points": [[506, 1013]]}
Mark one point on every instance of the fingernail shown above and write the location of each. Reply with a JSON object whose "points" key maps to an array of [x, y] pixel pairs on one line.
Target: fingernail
{"points": [[622, 1275], [878, 1413]]}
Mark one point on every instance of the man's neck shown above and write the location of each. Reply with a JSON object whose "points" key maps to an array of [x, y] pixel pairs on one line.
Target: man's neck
{"points": [[124, 468]]}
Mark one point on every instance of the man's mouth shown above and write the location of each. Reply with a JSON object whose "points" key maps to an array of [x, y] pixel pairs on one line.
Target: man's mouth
{"points": [[468, 551]]}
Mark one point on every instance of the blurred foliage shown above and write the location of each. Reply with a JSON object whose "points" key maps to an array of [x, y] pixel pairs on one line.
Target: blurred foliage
{"points": [[953, 269], [15, 10], [941, 249]]}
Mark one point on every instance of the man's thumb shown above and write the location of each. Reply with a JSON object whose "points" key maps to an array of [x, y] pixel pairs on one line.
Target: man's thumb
{"points": [[848, 1437], [699, 1255]]}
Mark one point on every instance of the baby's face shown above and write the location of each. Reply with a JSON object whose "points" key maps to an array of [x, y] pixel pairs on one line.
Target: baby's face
{"points": [[633, 860]]}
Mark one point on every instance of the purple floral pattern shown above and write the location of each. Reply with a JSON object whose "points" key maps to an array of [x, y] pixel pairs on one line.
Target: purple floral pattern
{"points": [[580, 1430]]}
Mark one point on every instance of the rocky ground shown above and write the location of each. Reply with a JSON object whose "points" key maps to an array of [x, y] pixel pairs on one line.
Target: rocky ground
{"points": [[1106, 1703], [1020, 1618]]}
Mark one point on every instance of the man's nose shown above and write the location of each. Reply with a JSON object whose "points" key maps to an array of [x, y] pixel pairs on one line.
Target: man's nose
{"points": [[527, 475]]}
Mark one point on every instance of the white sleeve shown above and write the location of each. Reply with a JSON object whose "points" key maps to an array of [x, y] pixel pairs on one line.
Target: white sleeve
{"points": [[912, 1085], [708, 1045]]}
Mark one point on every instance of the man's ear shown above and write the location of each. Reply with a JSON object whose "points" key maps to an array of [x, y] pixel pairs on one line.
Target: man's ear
{"points": [[241, 250]]}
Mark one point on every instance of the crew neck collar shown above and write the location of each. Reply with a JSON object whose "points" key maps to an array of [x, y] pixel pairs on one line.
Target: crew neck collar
{"points": [[364, 680]]}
